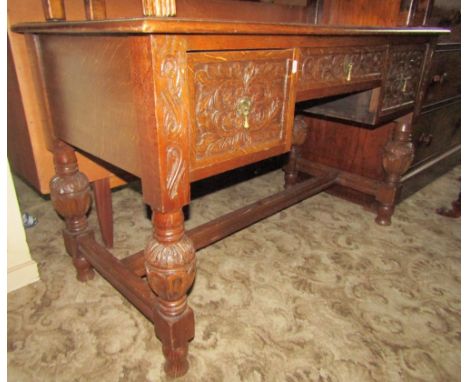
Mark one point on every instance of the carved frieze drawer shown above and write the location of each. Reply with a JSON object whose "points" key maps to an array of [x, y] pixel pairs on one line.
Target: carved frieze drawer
{"points": [[405, 69], [340, 66], [242, 106]]}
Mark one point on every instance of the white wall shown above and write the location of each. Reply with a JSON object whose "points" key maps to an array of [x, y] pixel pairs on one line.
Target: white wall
{"points": [[22, 270]]}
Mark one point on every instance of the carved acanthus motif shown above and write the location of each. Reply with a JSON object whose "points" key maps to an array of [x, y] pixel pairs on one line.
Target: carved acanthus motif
{"points": [[404, 72], [220, 87], [344, 65]]}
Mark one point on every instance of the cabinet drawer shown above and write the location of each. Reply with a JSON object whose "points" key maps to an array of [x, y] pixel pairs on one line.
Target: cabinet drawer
{"points": [[338, 66], [405, 65], [436, 131], [242, 106], [444, 76]]}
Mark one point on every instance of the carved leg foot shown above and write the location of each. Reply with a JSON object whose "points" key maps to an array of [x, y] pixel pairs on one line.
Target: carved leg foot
{"points": [[455, 212], [70, 195], [170, 268], [298, 138], [397, 157]]}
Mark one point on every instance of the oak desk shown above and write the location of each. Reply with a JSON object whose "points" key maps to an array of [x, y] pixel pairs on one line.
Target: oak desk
{"points": [[176, 100]]}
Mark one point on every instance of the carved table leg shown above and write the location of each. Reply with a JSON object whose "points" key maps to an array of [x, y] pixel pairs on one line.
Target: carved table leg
{"points": [[455, 212], [71, 196], [170, 268], [397, 157], [298, 138]]}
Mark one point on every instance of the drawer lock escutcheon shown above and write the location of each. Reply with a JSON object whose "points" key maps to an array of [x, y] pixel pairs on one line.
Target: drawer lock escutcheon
{"points": [[243, 108]]}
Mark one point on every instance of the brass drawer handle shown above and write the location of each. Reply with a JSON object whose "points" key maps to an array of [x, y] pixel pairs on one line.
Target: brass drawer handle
{"points": [[348, 71], [243, 108], [425, 139], [405, 84], [440, 78]]}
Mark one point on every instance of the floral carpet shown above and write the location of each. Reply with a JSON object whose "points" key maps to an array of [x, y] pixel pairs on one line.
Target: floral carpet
{"points": [[317, 292]]}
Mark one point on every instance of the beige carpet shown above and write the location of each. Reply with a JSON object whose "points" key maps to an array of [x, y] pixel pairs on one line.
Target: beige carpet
{"points": [[317, 292]]}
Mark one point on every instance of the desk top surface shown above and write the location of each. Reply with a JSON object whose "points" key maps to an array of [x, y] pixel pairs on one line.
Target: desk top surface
{"points": [[198, 26]]}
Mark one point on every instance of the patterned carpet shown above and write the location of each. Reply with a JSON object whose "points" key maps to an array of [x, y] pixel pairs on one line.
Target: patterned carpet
{"points": [[317, 292]]}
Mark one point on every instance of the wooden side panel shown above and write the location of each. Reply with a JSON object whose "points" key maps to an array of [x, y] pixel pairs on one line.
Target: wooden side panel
{"points": [[39, 160], [89, 88], [18, 140], [360, 150]]}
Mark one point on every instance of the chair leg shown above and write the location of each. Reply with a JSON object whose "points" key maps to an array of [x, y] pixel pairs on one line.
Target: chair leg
{"points": [[103, 203]]}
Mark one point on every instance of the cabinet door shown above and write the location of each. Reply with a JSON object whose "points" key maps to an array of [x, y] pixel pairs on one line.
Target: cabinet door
{"points": [[444, 75], [435, 131]]}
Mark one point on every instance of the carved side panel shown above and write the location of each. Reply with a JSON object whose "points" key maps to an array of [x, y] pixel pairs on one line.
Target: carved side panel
{"points": [[405, 66], [240, 103], [340, 65], [163, 121], [170, 66]]}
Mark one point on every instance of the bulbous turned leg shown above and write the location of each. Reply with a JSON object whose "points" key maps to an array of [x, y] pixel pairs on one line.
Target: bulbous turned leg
{"points": [[298, 138], [71, 198], [397, 157], [170, 267]]}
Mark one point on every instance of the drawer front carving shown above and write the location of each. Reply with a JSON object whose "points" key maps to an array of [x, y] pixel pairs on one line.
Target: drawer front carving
{"points": [[405, 65], [344, 65], [240, 104], [444, 76]]}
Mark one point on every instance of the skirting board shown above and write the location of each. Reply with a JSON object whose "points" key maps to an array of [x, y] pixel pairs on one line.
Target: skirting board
{"points": [[21, 275]]}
